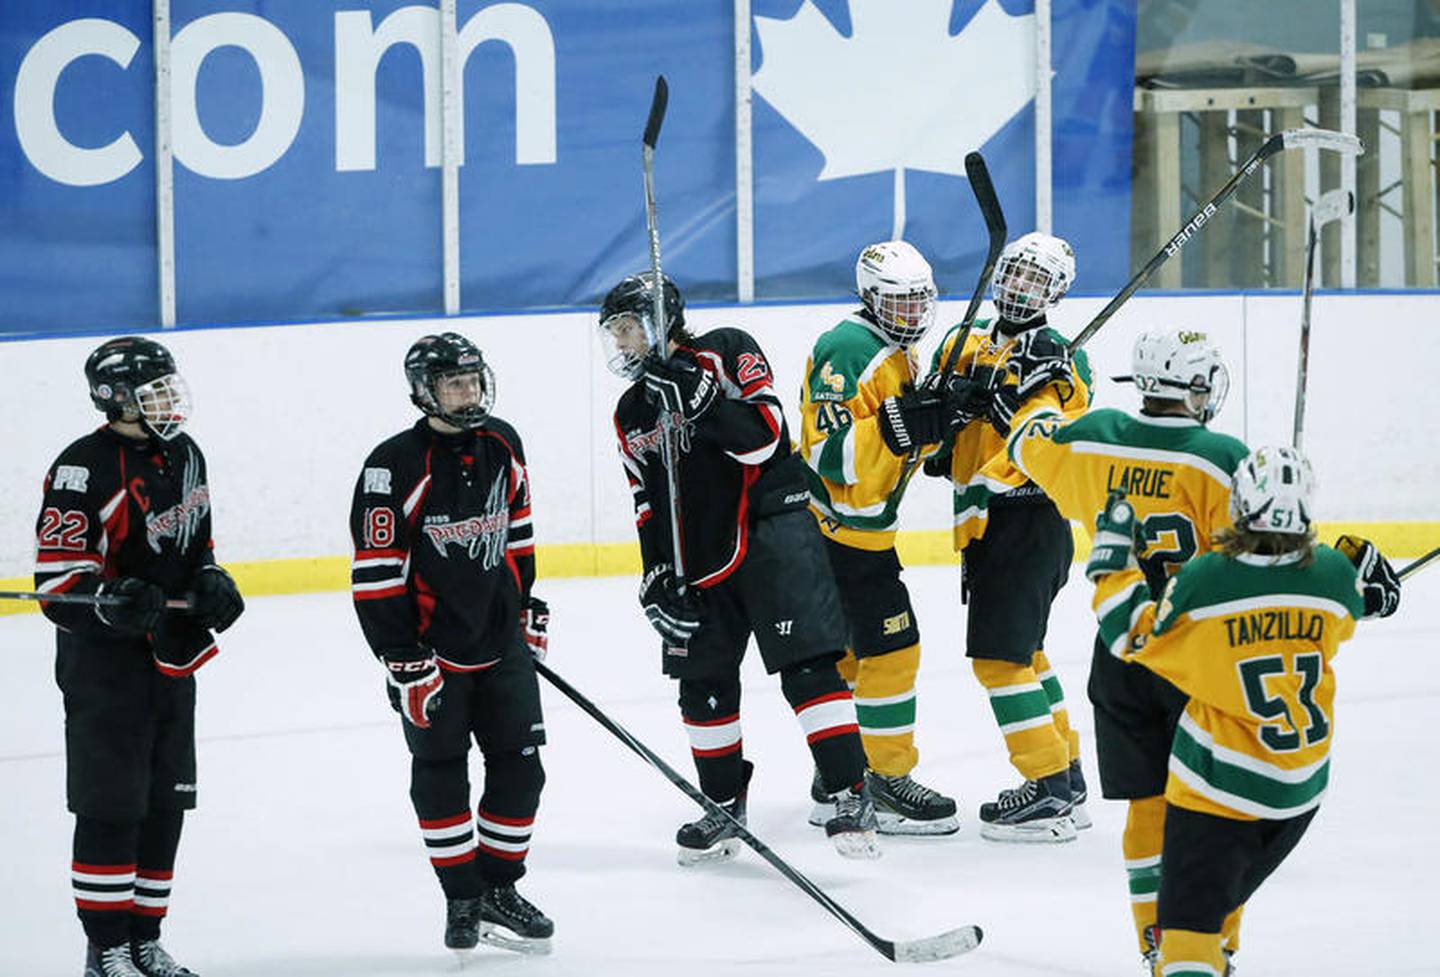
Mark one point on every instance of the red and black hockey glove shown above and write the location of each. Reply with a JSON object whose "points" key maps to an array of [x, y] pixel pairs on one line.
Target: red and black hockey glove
{"points": [[535, 625], [1378, 582], [217, 600], [413, 681], [131, 605]]}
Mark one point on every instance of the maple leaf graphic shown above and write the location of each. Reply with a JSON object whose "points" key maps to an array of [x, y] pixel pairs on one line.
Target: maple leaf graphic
{"points": [[901, 92]]}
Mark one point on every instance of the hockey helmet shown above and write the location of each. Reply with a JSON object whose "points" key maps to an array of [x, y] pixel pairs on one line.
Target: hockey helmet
{"points": [[134, 379], [450, 380], [1031, 275], [1271, 492], [1183, 365], [896, 285], [626, 318]]}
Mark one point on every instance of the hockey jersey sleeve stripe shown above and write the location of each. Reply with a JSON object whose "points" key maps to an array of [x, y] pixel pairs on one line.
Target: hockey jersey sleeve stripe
{"points": [[375, 562], [66, 559], [108, 509], [1267, 601], [66, 581], [192, 666], [416, 496], [1120, 613], [380, 590]]}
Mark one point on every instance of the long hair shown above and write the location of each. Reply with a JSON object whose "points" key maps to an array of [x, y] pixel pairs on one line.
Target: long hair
{"points": [[1235, 540]]}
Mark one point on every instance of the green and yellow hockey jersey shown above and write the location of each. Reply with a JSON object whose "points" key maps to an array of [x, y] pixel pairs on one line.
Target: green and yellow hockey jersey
{"points": [[979, 466], [1250, 642], [1174, 471], [853, 475]]}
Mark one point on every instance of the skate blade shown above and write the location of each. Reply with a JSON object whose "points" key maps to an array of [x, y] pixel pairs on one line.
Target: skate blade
{"points": [[721, 852], [1051, 831], [860, 845], [498, 936], [1081, 817], [821, 813], [898, 824]]}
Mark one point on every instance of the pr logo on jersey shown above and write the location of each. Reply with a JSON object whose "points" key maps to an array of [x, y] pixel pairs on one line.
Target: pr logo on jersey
{"points": [[72, 477], [377, 481], [482, 537]]}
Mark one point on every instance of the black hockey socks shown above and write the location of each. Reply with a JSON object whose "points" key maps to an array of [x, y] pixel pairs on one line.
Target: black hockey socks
{"points": [[710, 709], [440, 791], [506, 817], [155, 868], [102, 875], [823, 704]]}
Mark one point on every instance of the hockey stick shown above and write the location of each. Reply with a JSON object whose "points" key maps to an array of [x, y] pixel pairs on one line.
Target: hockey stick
{"points": [[656, 328], [94, 600], [1419, 564], [940, 947], [1331, 206], [1327, 139]]}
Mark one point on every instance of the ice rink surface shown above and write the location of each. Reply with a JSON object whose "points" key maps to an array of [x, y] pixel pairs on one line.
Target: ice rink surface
{"points": [[304, 859]]}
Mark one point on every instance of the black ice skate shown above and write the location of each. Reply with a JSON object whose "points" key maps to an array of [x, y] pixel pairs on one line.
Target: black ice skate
{"points": [[712, 838], [462, 923], [510, 921], [1036, 811], [1078, 797], [852, 829], [822, 808], [113, 961], [152, 960], [903, 806]]}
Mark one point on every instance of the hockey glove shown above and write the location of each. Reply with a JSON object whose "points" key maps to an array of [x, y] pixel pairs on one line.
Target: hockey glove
{"points": [[140, 607], [413, 681], [965, 401], [915, 418], [1000, 409], [1112, 549], [680, 387], [674, 615], [535, 625], [217, 600], [1039, 359], [1377, 581]]}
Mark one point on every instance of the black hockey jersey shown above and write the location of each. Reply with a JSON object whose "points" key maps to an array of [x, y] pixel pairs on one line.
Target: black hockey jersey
{"points": [[118, 507], [444, 546], [735, 461]]}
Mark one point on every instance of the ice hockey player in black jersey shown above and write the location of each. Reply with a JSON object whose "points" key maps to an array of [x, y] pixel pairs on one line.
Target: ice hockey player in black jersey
{"points": [[444, 563], [753, 559], [126, 517]]}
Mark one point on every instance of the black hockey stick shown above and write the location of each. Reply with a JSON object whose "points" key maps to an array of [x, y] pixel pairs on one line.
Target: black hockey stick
{"points": [[994, 215], [1328, 139], [941, 947], [94, 600], [1331, 206], [1419, 564], [658, 333]]}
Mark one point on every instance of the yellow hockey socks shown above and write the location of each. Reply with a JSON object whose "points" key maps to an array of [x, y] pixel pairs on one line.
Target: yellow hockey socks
{"points": [[1142, 841], [1051, 684], [1022, 710], [885, 707], [1184, 953]]}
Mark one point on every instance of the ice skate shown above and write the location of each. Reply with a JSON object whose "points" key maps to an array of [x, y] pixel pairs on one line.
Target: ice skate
{"points": [[152, 960], [712, 838], [853, 828], [462, 924], [1036, 811], [1078, 796], [510, 921], [113, 961], [903, 806], [822, 807]]}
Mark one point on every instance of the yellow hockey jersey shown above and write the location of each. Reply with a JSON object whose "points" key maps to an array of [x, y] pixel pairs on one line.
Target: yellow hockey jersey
{"points": [[979, 467], [855, 479], [1250, 642], [1174, 471]]}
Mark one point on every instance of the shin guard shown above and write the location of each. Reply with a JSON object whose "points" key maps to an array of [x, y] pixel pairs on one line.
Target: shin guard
{"points": [[1058, 711], [506, 817], [885, 708], [1022, 710], [440, 791], [710, 709], [826, 712], [1142, 842]]}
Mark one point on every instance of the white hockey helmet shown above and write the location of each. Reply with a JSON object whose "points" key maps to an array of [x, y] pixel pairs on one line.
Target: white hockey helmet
{"points": [[1032, 274], [898, 288], [1183, 365], [1271, 491]]}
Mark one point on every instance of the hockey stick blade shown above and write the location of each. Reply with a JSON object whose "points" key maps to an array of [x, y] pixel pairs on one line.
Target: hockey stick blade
{"points": [[657, 112], [941, 947], [1327, 139], [1419, 564], [1332, 205]]}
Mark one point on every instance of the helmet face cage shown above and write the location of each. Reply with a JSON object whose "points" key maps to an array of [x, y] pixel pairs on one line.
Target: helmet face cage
{"points": [[1271, 492], [437, 362], [1032, 274], [625, 337], [896, 285], [164, 405]]}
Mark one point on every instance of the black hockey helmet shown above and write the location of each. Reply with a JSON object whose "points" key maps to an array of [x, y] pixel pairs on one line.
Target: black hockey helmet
{"points": [[134, 379], [634, 296], [440, 368]]}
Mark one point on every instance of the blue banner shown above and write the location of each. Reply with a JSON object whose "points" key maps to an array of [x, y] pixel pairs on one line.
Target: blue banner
{"points": [[307, 143]]}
